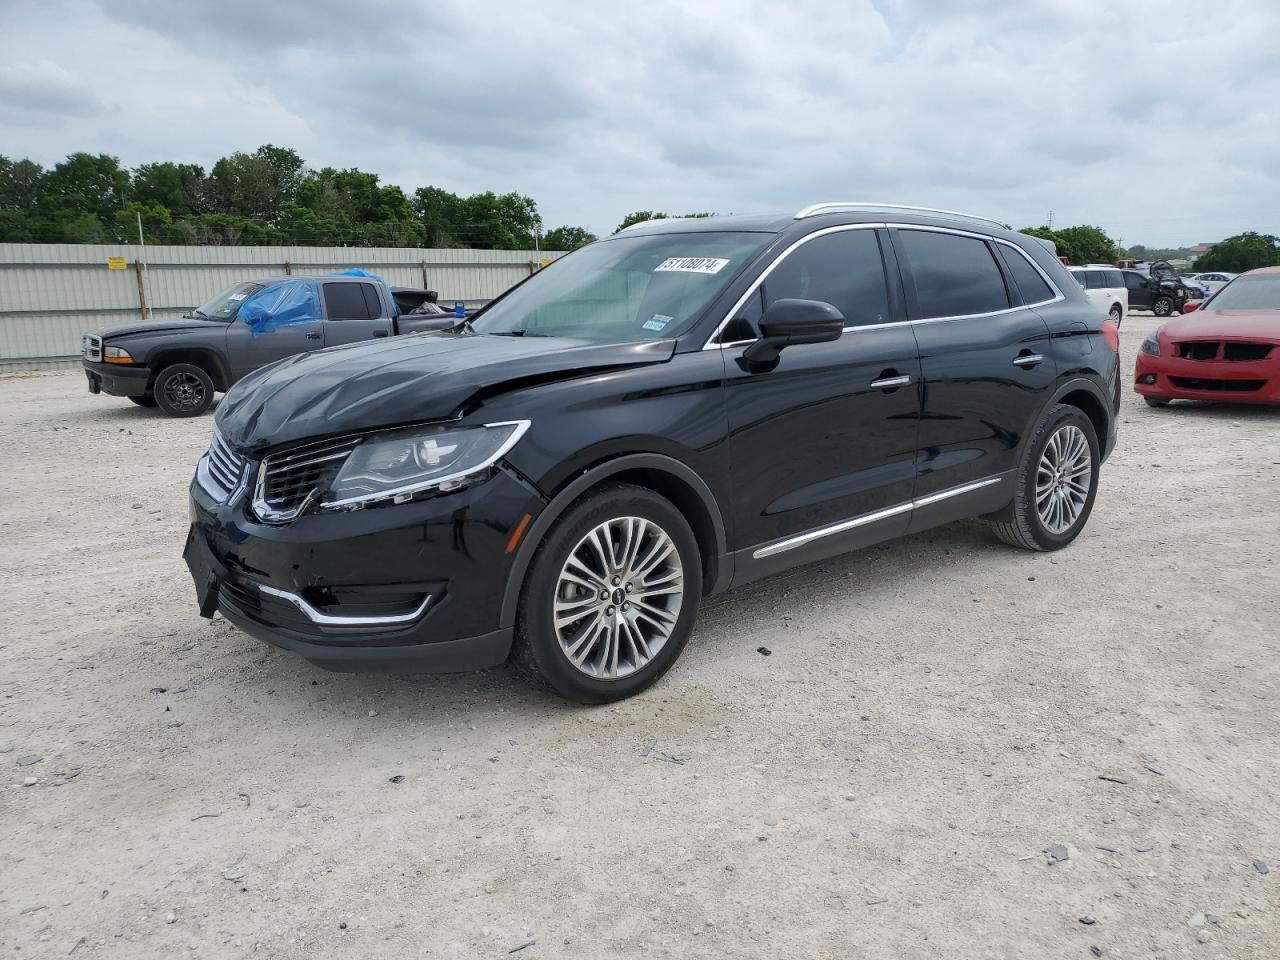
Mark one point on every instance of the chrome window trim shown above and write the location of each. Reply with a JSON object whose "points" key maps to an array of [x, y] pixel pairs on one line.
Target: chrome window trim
{"points": [[755, 285], [818, 533], [323, 619]]}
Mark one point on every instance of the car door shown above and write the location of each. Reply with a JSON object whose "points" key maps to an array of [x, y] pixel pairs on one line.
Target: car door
{"points": [[353, 312], [248, 349], [822, 445], [1139, 290], [985, 365]]}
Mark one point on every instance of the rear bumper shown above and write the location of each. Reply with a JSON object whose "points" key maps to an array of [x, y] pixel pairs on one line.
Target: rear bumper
{"points": [[117, 380], [1176, 378]]}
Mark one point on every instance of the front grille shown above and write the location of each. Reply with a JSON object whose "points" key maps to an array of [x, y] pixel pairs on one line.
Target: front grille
{"points": [[240, 596], [1199, 350], [220, 471], [1246, 351], [286, 480], [1220, 350], [91, 346], [1223, 386]]}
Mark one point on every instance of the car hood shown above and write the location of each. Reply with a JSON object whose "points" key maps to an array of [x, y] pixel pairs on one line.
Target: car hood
{"points": [[155, 326], [401, 380], [1207, 324]]}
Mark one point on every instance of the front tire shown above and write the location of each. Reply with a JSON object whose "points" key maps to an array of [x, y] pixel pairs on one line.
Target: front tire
{"points": [[183, 390], [611, 596], [1057, 481], [1162, 306]]}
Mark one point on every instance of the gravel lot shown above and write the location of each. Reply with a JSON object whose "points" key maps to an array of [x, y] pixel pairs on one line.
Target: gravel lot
{"points": [[933, 715]]}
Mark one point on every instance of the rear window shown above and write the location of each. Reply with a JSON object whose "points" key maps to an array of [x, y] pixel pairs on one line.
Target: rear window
{"points": [[349, 301], [1114, 278], [954, 276], [1026, 277]]}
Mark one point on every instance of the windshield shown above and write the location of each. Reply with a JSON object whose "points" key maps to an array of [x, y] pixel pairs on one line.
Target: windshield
{"points": [[624, 289], [1249, 293], [225, 304]]}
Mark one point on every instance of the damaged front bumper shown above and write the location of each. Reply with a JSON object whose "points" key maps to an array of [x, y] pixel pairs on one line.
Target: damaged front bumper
{"points": [[413, 587]]}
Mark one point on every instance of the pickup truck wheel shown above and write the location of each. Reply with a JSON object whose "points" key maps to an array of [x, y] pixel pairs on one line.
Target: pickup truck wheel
{"points": [[146, 400], [183, 390], [1162, 307]]}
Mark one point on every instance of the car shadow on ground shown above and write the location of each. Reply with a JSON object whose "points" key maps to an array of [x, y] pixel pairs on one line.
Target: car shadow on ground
{"points": [[124, 413], [803, 594], [1220, 409]]}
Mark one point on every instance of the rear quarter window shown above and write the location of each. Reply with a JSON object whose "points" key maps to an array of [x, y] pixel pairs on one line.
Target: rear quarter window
{"points": [[1026, 277]]}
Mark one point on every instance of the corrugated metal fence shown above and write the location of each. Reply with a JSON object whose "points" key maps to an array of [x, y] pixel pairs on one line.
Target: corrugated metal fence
{"points": [[50, 293]]}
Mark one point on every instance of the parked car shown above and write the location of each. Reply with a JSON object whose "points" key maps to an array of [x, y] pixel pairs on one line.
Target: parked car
{"points": [[1195, 290], [1211, 283], [684, 407], [179, 364], [1159, 294], [1227, 349], [1106, 290]]}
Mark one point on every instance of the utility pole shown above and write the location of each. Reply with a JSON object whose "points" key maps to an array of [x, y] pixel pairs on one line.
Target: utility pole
{"points": [[1050, 220], [142, 251]]}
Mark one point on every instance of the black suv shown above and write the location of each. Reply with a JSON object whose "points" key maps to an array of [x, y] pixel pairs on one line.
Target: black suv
{"points": [[677, 410]]}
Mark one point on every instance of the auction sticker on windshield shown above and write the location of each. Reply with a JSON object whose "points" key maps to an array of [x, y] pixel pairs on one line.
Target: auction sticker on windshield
{"points": [[691, 265]]}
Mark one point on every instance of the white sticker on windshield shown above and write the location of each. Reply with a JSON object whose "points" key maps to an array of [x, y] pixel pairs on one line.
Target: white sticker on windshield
{"points": [[658, 322], [692, 265], [237, 296]]}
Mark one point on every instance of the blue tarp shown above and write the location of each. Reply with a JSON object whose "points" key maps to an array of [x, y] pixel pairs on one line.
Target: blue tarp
{"points": [[282, 304]]}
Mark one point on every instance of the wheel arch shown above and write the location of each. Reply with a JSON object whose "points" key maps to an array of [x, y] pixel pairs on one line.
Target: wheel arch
{"points": [[207, 359], [665, 475], [1088, 397]]}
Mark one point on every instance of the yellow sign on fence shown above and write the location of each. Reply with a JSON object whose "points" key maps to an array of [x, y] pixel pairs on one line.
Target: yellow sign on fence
{"points": [[117, 263]]}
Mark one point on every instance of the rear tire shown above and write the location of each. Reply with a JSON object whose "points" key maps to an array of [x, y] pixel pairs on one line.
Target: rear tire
{"points": [[1056, 483], [611, 596], [146, 400], [1162, 306], [183, 390]]}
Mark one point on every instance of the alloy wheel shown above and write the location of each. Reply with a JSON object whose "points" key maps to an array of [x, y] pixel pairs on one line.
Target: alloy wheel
{"points": [[1063, 479], [618, 597], [184, 391]]}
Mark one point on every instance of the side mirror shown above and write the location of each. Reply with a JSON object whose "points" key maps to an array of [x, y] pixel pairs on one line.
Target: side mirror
{"points": [[790, 321], [1191, 306]]}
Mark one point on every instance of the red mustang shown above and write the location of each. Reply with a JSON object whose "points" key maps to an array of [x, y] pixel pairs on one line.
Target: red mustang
{"points": [[1226, 349]]}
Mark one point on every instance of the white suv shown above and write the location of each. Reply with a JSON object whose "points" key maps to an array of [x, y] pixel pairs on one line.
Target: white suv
{"points": [[1105, 288]]}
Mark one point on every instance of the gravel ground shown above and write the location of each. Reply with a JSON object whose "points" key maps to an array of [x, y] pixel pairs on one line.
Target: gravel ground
{"points": [[933, 715]]}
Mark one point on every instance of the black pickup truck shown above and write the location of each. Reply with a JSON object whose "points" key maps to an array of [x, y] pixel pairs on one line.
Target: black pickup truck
{"points": [[179, 364]]}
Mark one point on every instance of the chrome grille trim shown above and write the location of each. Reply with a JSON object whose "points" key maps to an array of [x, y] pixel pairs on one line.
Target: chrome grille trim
{"points": [[91, 347], [221, 473], [289, 483]]}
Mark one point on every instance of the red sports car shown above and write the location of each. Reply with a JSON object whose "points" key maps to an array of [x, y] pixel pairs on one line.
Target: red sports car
{"points": [[1227, 349]]}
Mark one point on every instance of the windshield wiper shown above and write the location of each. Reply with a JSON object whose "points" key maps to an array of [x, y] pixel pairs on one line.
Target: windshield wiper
{"points": [[464, 327], [195, 314]]}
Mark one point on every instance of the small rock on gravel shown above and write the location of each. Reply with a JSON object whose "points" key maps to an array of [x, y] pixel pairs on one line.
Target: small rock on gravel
{"points": [[1261, 867], [1096, 951], [30, 782], [1202, 936], [764, 651], [1057, 853], [29, 760], [1087, 920]]}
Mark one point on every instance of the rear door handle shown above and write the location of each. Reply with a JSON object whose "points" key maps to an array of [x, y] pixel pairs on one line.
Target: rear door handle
{"points": [[313, 336], [1028, 360], [890, 383]]}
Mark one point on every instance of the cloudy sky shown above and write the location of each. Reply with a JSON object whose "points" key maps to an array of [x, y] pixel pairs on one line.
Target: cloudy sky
{"points": [[1159, 121]]}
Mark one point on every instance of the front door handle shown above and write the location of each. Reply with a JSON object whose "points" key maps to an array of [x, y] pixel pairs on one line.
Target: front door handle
{"points": [[1027, 360], [890, 383], [313, 336], [380, 333]]}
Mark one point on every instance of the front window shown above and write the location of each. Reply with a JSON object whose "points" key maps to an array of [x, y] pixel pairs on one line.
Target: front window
{"points": [[625, 289], [226, 304], [1249, 293]]}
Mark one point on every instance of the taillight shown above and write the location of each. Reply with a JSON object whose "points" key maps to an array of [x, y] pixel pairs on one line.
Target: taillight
{"points": [[1111, 334]]}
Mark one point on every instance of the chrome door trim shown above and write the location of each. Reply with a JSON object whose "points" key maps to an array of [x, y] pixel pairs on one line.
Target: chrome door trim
{"points": [[330, 620], [800, 539], [755, 284]]}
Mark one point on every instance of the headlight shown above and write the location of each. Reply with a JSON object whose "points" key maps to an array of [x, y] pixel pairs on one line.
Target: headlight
{"points": [[1152, 346], [398, 465], [116, 355]]}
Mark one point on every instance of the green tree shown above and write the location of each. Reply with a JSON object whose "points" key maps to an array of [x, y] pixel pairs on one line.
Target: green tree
{"points": [[256, 185], [499, 221], [1063, 245], [1090, 244], [85, 184], [178, 187], [21, 183], [640, 216], [567, 238], [156, 222], [440, 213], [1245, 251]]}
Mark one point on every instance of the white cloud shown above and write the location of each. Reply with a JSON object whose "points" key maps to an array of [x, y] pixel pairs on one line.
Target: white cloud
{"points": [[1157, 121]]}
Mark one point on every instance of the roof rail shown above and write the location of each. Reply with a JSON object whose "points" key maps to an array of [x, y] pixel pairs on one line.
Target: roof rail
{"points": [[814, 209]]}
